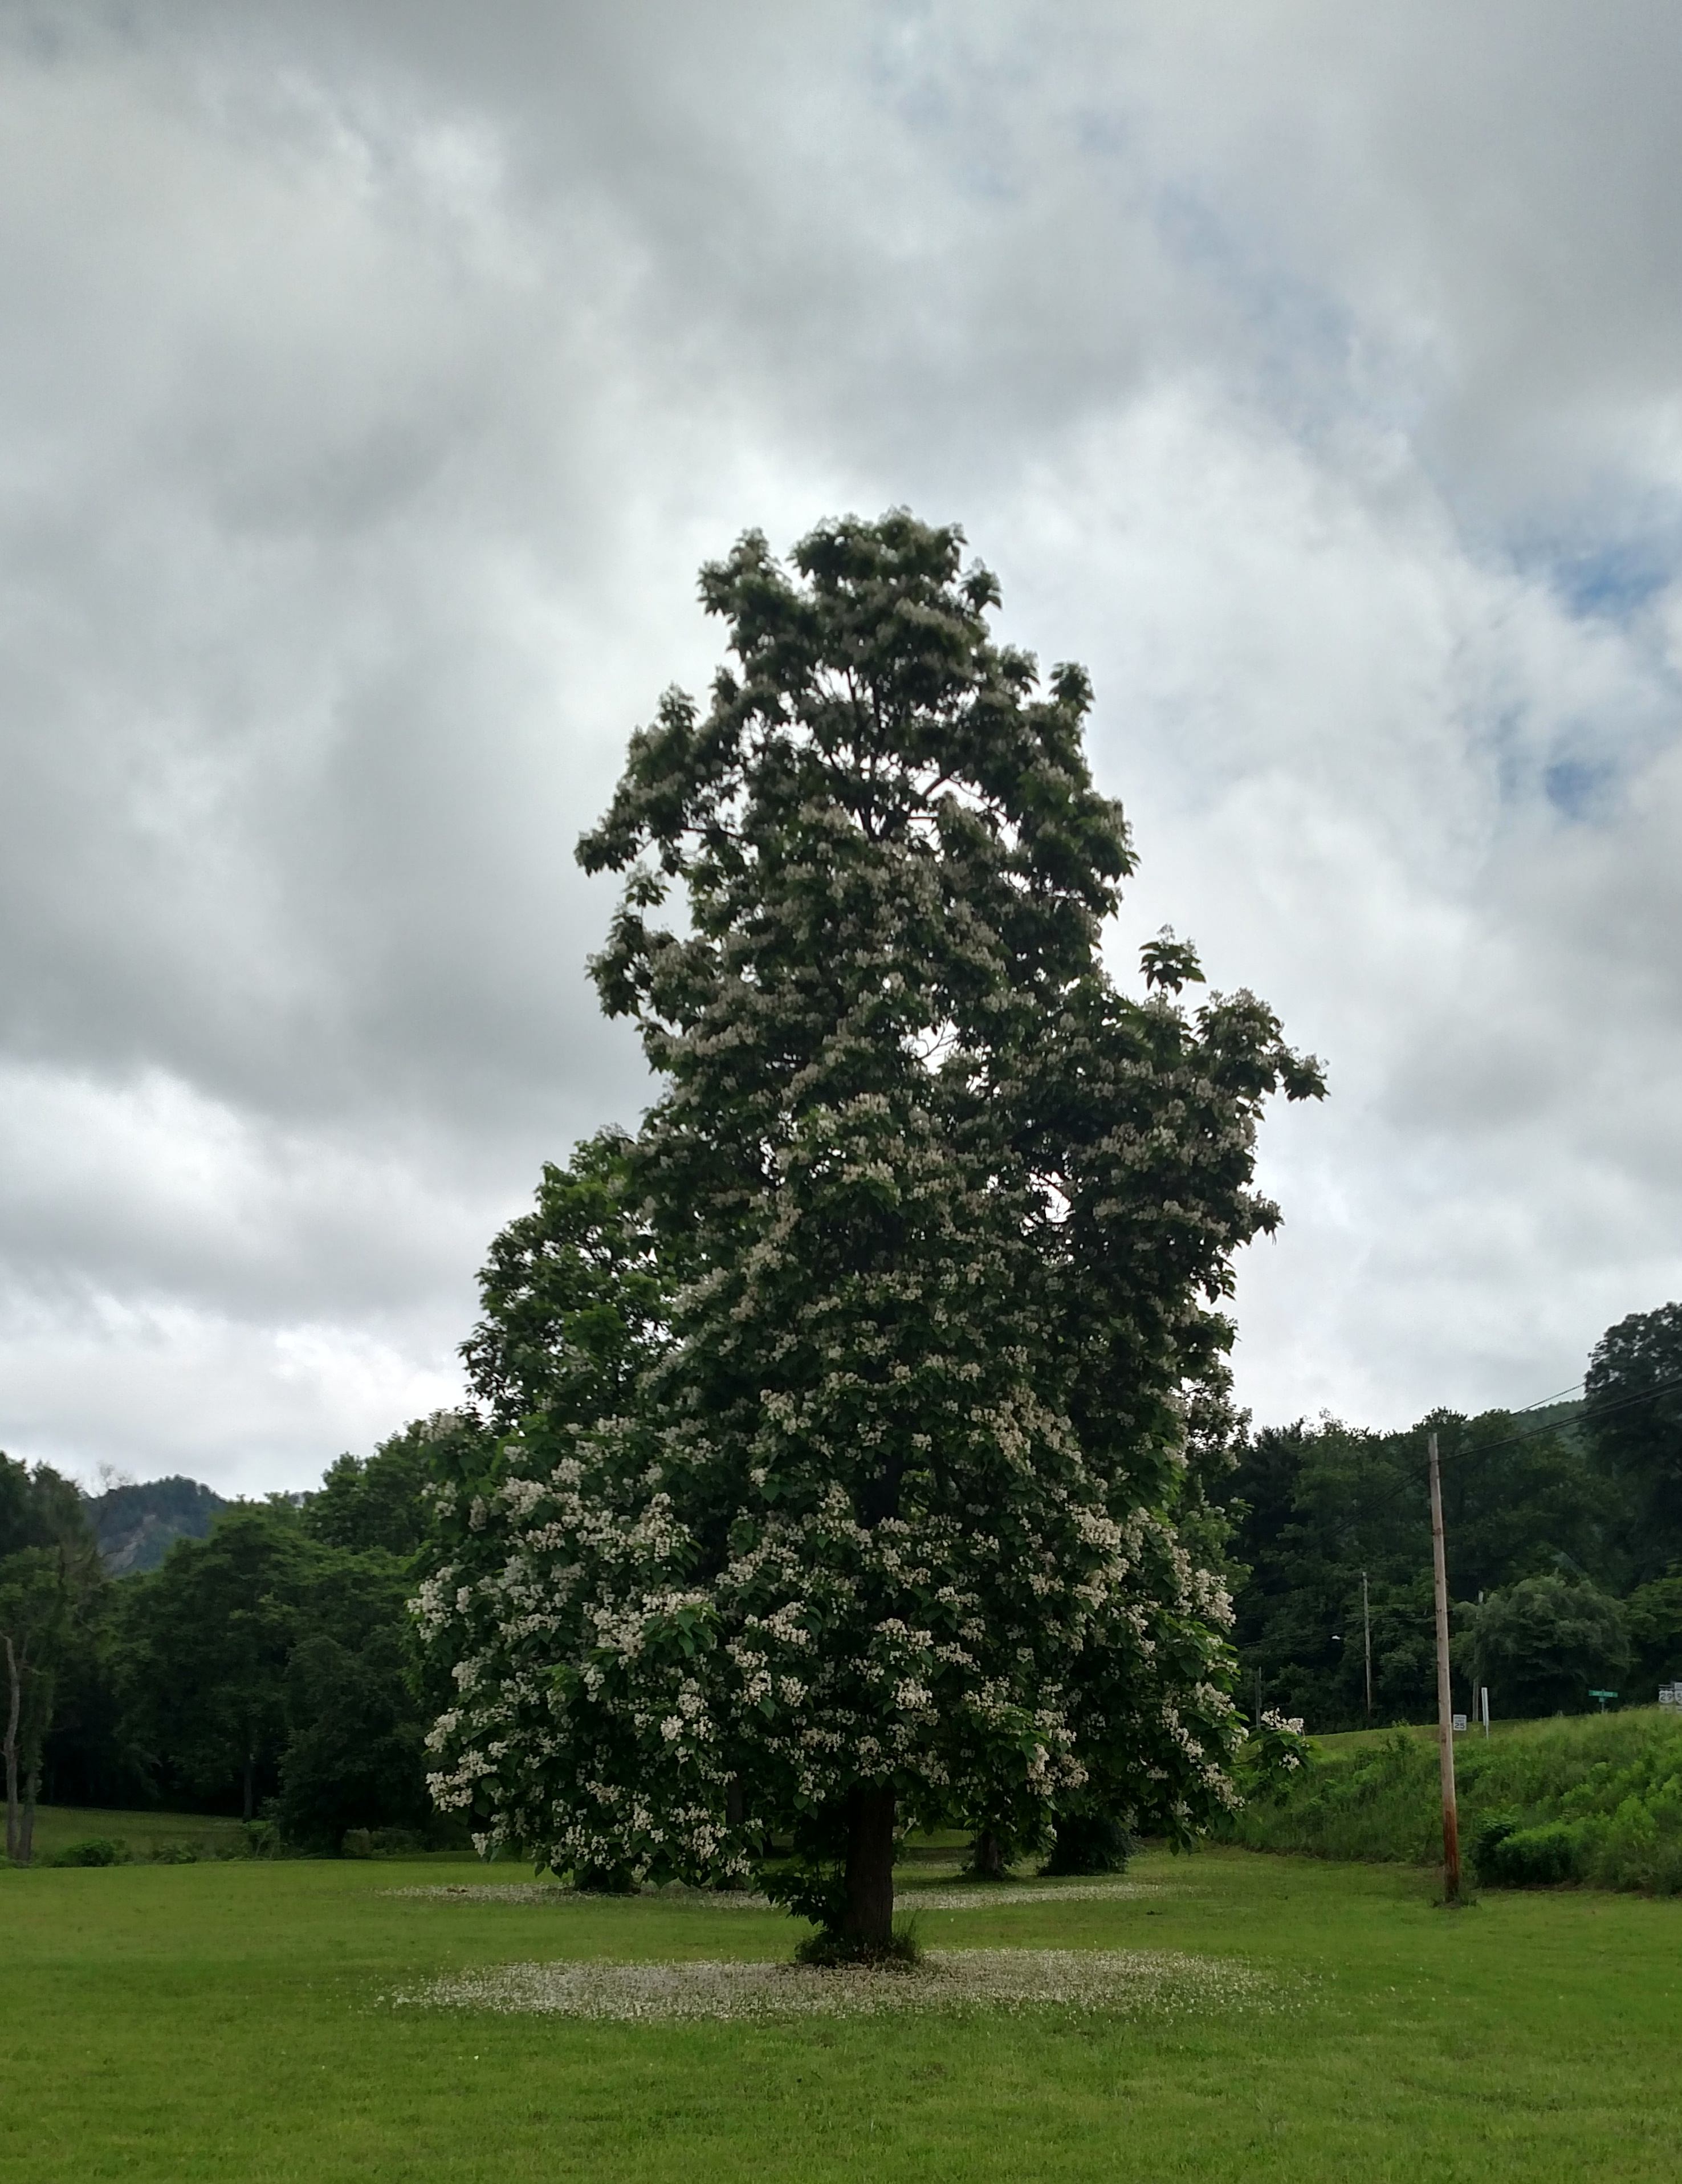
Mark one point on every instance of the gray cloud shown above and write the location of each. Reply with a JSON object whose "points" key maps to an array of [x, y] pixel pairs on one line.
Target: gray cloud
{"points": [[375, 377]]}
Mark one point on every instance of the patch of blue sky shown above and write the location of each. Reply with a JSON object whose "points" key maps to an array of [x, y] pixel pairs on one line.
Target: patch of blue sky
{"points": [[1617, 579], [1610, 570], [1309, 360], [1585, 767], [1581, 788], [1578, 770]]}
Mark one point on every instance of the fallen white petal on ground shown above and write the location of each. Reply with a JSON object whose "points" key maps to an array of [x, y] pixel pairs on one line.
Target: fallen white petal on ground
{"points": [[552, 1891], [985, 1896], [981, 1897], [1130, 1981]]}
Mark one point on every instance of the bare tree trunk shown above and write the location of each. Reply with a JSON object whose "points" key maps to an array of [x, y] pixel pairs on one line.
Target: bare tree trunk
{"points": [[868, 1919], [26, 1825], [15, 1709], [986, 1856]]}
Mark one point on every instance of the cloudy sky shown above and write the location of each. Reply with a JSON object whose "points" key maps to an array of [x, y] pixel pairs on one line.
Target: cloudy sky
{"points": [[375, 374]]}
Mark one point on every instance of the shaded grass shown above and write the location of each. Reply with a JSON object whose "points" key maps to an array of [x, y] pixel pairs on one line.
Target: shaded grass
{"points": [[144, 1834], [219, 2021], [149, 1834]]}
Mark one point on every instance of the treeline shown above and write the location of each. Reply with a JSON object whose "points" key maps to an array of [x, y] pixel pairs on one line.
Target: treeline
{"points": [[268, 1669], [271, 1670], [1564, 1542]]}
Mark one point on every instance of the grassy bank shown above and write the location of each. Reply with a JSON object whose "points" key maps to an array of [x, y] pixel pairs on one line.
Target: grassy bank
{"points": [[1596, 1799], [63, 1832], [237, 2019], [141, 1835]]}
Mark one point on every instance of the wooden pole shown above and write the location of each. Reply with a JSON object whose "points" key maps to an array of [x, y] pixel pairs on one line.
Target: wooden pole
{"points": [[1366, 1629], [1445, 1694]]}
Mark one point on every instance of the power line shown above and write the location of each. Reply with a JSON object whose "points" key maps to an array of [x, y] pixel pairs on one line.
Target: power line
{"points": [[1470, 1458], [1542, 1403], [1602, 1411]]}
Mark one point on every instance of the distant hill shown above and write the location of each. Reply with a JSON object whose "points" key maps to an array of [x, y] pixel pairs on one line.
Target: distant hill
{"points": [[136, 1526], [1561, 1417]]}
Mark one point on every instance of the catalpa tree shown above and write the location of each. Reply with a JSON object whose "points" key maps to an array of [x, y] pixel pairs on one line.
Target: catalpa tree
{"points": [[835, 1475]]}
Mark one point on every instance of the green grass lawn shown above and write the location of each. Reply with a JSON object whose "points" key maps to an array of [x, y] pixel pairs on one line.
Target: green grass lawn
{"points": [[232, 2021]]}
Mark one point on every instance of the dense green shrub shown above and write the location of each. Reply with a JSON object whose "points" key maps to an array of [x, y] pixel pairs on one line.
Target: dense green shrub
{"points": [[1652, 1615], [263, 1839], [1534, 1857], [94, 1850], [382, 1842]]}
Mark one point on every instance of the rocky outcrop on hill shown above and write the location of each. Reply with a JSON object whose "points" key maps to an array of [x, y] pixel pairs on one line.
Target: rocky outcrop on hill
{"points": [[136, 1525]]}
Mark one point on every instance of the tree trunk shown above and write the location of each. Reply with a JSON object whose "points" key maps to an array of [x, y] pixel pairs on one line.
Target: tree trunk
{"points": [[249, 1808], [15, 1709], [869, 1916], [26, 1825], [735, 1812], [986, 1856]]}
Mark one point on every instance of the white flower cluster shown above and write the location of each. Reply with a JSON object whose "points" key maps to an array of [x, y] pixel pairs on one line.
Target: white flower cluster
{"points": [[606, 1701]]}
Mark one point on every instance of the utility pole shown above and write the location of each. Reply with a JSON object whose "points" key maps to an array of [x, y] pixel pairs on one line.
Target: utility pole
{"points": [[1366, 1629], [1445, 1695]]}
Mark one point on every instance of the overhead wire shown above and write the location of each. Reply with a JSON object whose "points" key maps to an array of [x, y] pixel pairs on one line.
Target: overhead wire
{"points": [[1463, 1459], [1543, 1402], [1467, 1459]]}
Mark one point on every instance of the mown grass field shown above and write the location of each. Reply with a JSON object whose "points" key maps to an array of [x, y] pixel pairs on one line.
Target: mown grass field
{"points": [[233, 2021]]}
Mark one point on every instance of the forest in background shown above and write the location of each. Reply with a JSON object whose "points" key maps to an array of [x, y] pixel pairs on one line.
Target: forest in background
{"points": [[267, 1667], [1563, 1529]]}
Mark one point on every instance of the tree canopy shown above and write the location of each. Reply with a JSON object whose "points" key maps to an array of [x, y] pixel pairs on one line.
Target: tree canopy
{"points": [[851, 1482], [1634, 1390], [274, 1663], [49, 1570], [378, 1501], [206, 1639], [1542, 1645]]}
